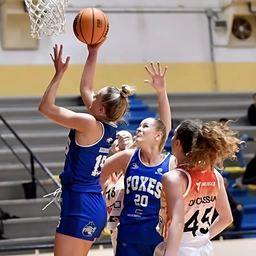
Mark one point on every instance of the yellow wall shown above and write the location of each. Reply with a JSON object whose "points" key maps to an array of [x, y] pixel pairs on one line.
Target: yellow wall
{"points": [[181, 77]]}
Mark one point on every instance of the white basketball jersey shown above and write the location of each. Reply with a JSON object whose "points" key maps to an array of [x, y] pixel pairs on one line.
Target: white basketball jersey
{"points": [[114, 196], [199, 204]]}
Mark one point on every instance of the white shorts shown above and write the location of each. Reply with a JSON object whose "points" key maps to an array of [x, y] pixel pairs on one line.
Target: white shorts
{"points": [[204, 250]]}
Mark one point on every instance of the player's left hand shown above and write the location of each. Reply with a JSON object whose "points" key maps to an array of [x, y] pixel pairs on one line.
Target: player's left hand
{"points": [[59, 65], [158, 78]]}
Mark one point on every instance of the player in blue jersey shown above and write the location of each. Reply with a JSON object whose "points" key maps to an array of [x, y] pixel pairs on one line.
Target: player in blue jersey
{"points": [[143, 169], [83, 208], [113, 189]]}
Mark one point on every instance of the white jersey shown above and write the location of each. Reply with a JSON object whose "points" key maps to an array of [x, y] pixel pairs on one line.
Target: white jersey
{"points": [[199, 204], [114, 196]]}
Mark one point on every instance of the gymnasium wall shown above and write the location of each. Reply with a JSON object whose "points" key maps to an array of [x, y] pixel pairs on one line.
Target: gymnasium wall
{"points": [[176, 34]]}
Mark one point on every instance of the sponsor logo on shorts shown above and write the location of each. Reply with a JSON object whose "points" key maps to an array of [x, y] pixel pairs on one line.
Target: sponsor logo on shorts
{"points": [[89, 229]]}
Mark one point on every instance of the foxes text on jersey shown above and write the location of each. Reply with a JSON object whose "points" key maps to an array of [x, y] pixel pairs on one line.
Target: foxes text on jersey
{"points": [[143, 186]]}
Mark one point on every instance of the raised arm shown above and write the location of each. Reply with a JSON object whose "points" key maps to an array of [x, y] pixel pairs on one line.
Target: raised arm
{"points": [[115, 163], [88, 75], [49, 96], [159, 84], [58, 114]]}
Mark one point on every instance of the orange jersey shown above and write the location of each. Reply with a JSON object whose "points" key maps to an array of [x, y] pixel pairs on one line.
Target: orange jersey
{"points": [[199, 204]]}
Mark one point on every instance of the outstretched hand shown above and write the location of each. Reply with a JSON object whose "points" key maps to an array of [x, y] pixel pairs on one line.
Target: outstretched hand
{"points": [[158, 78], [59, 65], [95, 47]]}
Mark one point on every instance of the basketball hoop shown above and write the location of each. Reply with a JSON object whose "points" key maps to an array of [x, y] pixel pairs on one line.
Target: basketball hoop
{"points": [[47, 16]]}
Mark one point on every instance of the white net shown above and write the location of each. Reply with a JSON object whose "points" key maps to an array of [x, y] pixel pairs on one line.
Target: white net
{"points": [[47, 16]]}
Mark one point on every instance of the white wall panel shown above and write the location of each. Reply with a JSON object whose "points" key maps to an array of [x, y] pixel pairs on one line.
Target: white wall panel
{"points": [[141, 37], [146, 3], [133, 38]]}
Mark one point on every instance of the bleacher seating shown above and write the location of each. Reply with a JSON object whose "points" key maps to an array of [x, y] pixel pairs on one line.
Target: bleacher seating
{"points": [[47, 140], [246, 196]]}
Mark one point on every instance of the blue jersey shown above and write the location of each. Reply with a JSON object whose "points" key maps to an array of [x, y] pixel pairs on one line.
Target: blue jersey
{"points": [[140, 215], [83, 164]]}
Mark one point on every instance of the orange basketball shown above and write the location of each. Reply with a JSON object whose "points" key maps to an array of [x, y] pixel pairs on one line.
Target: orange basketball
{"points": [[90, 26]]}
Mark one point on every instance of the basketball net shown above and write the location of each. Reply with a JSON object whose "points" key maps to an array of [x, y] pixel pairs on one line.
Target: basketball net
{"points": [[47, 16]]}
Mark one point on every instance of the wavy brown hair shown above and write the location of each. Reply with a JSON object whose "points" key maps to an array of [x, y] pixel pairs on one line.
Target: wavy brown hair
{"points": [[208, 144]]}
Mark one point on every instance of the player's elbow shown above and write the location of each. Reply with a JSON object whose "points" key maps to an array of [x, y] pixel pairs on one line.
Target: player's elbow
{"points": [[81, 90], [45, 109], [41, 108], [226, 219], [230, 220]]}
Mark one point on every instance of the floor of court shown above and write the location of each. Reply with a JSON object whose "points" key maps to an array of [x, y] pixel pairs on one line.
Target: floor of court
{"points": [[235, 247]]}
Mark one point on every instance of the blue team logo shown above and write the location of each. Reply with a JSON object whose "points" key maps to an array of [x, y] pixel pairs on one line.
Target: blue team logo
{"points": [[89, 229], [109, 141]]}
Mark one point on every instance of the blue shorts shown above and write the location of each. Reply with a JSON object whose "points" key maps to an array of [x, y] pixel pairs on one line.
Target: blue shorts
{"points": [[135, 249], [83, 215]]}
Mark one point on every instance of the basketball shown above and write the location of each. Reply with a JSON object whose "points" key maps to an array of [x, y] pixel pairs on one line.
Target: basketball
{"points": [[90, 26]]}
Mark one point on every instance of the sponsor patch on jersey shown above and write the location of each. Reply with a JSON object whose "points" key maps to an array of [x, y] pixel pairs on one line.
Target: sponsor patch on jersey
{"points": [[208, 184], [204, 184], [89, 229], [133, 215], [198, 185], [104, 150], [138, 211], [113, 219]]}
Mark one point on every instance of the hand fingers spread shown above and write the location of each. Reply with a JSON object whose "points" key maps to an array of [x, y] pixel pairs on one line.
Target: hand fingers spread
{"points": [[52, 57], [147, 81], [67, 60], [153, 67], [159, 68], [149, 71], [55, 51], [165, 70], [60, 51]]}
